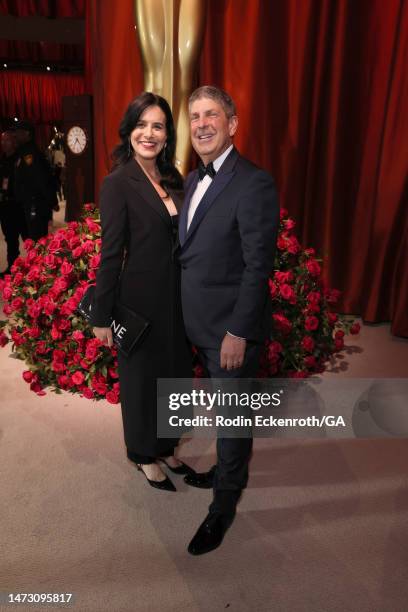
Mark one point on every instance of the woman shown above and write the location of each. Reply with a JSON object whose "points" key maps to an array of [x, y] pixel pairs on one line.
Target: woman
{"points": [[139, 204]]}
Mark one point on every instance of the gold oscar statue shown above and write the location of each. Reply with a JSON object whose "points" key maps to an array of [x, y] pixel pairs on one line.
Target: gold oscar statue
{"points": [[170, 35]]}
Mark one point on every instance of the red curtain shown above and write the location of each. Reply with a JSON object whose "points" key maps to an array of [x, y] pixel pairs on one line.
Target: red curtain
{"points": [[320, 87], [37, 98], [43, 8]]}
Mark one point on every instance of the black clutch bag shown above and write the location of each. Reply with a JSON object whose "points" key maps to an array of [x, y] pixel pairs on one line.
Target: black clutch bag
{"points": [[128, 327]]}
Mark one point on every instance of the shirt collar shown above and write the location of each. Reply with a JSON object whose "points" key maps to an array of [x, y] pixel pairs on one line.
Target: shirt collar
{"points": [[217, 163]]}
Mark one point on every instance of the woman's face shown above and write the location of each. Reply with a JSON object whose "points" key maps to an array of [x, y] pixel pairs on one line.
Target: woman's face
{"points": [[149, 135]]}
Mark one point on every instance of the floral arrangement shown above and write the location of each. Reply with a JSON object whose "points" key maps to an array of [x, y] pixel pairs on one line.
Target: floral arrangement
{"points": [[43, 291]]}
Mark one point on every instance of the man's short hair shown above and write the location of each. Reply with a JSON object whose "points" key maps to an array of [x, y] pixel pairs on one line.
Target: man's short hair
{"points": [[217, 94]]}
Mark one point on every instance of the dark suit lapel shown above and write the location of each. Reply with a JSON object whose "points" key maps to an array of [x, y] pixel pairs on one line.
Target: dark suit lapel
{"points": [[184, 211], [221, 180], [146, 190]]}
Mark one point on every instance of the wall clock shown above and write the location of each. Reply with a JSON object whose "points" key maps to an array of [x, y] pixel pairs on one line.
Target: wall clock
{"points": [[77, 139]]}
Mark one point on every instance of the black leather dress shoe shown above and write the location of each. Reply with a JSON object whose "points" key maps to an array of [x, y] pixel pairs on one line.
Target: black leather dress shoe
{"points": [[203, 480], [210, 534]]}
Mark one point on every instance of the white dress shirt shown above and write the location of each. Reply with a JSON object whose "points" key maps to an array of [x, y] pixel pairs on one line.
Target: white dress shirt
{"points": [[203, 185]]}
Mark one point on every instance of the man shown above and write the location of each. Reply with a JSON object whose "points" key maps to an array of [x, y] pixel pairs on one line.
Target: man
{"points": [[35, 186], [228, 231], [11, 214]]}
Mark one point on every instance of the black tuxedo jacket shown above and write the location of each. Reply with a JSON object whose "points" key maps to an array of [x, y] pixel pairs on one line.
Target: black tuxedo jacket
{"points": [[228, 254]]}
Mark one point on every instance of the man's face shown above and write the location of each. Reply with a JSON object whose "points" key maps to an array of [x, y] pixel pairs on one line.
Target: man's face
{"points": [[8, 143], [211, 129]]}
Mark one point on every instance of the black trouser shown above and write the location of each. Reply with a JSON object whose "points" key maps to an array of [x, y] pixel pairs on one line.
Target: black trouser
{"points": [[13, 226], [231, 474], [37, 222], [145, 459]]}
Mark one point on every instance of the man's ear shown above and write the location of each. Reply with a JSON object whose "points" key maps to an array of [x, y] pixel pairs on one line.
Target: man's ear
{"points": [[233, 125]]}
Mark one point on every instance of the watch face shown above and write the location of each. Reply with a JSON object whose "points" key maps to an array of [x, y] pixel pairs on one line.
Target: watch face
{"points": [[76, 139]]}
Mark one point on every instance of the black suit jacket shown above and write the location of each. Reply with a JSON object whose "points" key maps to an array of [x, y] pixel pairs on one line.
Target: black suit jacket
{"points": [[228, 254], [137, 260]]}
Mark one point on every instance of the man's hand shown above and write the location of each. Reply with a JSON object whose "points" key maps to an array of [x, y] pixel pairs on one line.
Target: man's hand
{"points": [[232, 352], [104, 334]]}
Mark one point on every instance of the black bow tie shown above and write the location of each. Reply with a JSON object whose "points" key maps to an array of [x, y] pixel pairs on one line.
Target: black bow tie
{"points": [[203, 170]]}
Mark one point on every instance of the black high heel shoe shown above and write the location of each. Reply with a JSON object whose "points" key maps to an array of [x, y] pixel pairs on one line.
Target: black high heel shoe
{"points": [[163, 485], [181, 469]]}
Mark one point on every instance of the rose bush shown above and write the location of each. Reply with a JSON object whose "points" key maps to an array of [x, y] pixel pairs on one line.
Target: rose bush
{"points": [[43, 291]]}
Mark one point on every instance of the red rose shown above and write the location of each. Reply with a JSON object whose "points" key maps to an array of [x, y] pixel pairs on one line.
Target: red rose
{"points": [[49, 306], [310, 361], [308, 344], [92, 226], [293, 245], [339, 343], [78, 252], [112, 397], [34, 332], [50, 261], [298, 374], [3, 338], [17, 303], [273, 288], [283, 213], [313, 267], [63, 324], [34, 310], [34, 274], [55, 334], [18, 279], [339, 334], [54, 245], [58, 355], [95, 261], [113, 373], [332, 318], [355, 328], [284, 277], [313, 297], [275, 347], [86, 392], [310, 252], [78, 378], [91, 352], [289, 224], [311, 323], [28, 376], [78, 335], [91, 274], [37, 388], [99, 387], [282, 323], [287, 293], [281, 243], [28, 244], [7, 292], [58, 366], [88, 246], [66, 268]]}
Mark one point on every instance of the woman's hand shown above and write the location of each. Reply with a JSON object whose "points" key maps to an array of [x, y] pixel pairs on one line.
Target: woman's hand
{"points": [[104, 334]]}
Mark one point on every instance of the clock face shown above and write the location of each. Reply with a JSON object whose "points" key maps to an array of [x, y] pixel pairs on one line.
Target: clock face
{"points": [[76, 139]]}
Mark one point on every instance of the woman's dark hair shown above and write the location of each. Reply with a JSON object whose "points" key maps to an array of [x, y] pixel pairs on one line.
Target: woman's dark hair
{"points": [[121, 154]]}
